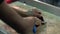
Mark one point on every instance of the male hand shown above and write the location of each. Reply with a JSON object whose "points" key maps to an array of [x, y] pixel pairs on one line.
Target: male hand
{"points": [[30, 21]]}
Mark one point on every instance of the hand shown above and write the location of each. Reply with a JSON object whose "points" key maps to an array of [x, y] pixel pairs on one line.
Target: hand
{"points": [[25, 24], [30, 21], [33, 12]]}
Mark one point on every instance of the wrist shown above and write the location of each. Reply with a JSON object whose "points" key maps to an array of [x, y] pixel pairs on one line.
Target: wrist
{"points": [[1, 1]]}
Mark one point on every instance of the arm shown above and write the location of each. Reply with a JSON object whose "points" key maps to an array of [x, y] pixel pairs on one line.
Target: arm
{"points": [[11, 17]]}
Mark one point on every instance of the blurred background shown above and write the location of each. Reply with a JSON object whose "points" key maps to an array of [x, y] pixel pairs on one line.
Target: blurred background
{"points": [[53, 2]]}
